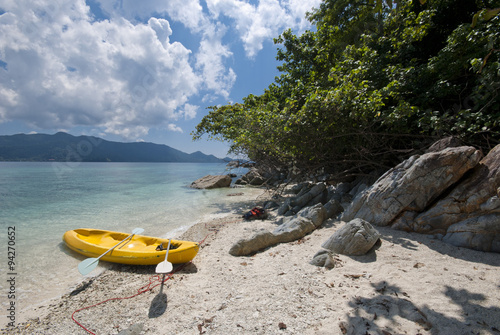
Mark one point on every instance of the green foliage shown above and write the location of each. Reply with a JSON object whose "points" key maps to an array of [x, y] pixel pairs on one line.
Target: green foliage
{"points": [[375, 82]]}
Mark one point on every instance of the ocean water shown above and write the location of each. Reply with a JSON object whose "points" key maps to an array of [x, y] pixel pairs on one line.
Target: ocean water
{"points": [[40, 201]]}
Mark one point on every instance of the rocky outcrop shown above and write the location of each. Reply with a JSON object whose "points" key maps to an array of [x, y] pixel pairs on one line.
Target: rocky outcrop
{"points": [[355, 238], [479, 232], [451, 194], [469, 216], [209, 182], [412, 185], [472, 197]]}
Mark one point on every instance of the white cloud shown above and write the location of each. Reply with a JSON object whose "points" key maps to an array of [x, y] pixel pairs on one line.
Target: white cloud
{"points": [[62, 67], [173, 127], [210, 62], [190, 111], [264, 21], [188, 12]]}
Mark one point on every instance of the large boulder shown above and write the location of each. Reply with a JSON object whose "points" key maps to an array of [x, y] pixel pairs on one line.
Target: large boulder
{"points": [[209, 182], [412, 185], [471, 198], [355, 238], [480, 233]]}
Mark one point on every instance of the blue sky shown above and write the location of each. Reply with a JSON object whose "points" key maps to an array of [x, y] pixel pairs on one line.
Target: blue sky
{"points": [[129, 70]]}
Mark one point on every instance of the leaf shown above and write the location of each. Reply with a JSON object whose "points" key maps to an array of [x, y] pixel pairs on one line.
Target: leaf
{"points": [[491, 13], [474, 19], [487, 14]]}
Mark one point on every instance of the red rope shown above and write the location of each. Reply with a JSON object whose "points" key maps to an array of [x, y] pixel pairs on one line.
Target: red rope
{"points": [[143, 289]]}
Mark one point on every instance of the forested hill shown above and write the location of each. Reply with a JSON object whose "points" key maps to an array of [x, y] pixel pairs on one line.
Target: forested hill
{"points": [[66, 147]]}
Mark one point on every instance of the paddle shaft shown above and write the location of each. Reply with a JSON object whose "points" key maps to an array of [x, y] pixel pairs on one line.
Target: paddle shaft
{"points": [[129, 237]]}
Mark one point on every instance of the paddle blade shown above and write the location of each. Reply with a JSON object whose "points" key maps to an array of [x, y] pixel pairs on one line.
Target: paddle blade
{"points": [[164, 267], [137, 231], [86, 266]]}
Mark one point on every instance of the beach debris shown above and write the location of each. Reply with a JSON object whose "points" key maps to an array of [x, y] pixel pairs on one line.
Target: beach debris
{"points": [[282, 326], [343, 327], [235, 194], [207, 322], [256, 213], [81, 288], [355, 238]]}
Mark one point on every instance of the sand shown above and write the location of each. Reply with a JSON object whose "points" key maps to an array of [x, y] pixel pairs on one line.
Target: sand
{"points": [[411, 284]]}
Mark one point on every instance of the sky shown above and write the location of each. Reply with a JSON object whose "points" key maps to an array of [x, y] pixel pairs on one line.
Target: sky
{"points": [[130, 70]]}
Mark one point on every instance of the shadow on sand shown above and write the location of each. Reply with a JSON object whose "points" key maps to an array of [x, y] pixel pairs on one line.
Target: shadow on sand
{"points": [[159, 303], [391, 307]]}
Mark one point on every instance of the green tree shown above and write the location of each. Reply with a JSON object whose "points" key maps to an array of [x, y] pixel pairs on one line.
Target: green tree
{"points": [[371, 85]]}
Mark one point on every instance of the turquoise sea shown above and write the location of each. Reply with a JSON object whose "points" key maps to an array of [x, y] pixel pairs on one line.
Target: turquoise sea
{"points": [[43, 200]]}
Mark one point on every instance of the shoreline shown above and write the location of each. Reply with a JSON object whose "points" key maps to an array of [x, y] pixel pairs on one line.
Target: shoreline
{"points": [[410, 284]]}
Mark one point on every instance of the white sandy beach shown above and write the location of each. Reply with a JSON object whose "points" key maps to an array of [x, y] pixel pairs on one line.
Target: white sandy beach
{"points": [[411, 284]]}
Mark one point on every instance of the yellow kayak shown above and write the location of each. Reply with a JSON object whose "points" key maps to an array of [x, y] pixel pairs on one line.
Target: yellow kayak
{"points": [[139, 250]]}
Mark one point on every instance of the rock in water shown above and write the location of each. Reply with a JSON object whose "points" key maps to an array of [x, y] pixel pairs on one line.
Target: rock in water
{"points": [[210, 181]]}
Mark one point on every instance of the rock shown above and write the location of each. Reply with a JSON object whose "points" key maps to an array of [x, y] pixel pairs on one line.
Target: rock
{"points": [[333, 208], [304, 199], [295, 188], [480, 233], [471, 198], [285, 206], [412, 185], [260, 240], [307, 196], [447, 142], [252, 177], [293, 230], [316, 214], [355, 238], [290, 230], [209, 182], [324, 258]]}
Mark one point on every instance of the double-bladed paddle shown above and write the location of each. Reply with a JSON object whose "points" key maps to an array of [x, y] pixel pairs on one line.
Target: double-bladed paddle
{"points": [[165, 266], [90, 264]]}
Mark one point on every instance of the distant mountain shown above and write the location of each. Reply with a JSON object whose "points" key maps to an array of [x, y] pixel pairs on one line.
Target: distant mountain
{"points": [[66, 147]]}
